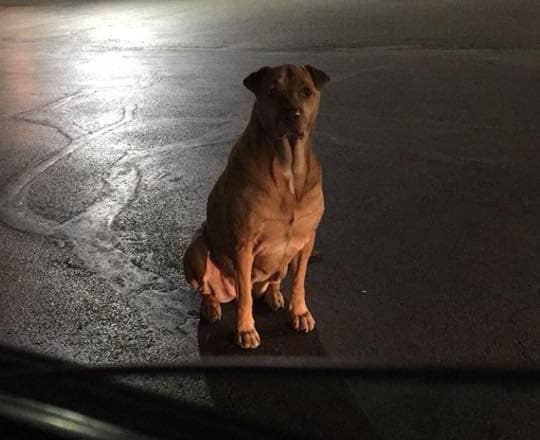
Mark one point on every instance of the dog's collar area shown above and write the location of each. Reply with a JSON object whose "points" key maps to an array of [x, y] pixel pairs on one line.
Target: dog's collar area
{"points": [[294, 139]]}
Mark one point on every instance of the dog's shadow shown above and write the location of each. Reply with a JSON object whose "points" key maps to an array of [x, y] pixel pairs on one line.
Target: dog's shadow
{"points": [[316, 406]]}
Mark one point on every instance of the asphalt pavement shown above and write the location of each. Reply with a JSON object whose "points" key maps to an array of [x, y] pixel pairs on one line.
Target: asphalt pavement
{"points": [[117, 117]]}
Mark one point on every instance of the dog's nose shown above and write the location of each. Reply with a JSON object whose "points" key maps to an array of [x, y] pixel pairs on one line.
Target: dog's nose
{"points": [[293, 114]]}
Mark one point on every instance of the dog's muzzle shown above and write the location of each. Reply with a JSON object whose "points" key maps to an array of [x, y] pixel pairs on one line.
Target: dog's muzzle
{"points": [[294, 123]]}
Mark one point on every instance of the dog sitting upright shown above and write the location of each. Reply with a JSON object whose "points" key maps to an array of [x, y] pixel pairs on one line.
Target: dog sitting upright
{"points": [[263, 211]]}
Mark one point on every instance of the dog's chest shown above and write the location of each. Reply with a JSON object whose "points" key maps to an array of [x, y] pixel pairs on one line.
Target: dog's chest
{"points": [[291, 223], [291, 210], [288, 178], [290, 169]]}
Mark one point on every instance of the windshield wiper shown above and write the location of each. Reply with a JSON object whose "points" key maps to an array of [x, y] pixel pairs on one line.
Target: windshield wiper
{"points": [[62, 421]]}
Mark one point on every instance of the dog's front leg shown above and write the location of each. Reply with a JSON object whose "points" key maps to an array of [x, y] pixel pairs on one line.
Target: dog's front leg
{"points": [[246, 334], [300, 314]]}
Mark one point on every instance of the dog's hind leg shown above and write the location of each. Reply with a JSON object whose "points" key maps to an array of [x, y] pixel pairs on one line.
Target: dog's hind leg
{"points": [[194, 260], [210, 308], [273, 296], [202, 274]]}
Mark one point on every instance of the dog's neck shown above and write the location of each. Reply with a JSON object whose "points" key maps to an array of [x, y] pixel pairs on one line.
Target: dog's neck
{"points": [[291, 158], [289, 155]]}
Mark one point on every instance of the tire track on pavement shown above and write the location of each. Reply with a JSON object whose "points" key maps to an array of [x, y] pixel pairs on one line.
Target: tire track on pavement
{"points": [[90, 232]]}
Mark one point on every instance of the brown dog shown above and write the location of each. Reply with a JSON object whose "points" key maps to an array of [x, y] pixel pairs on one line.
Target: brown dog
{"points": [[263, 212]]}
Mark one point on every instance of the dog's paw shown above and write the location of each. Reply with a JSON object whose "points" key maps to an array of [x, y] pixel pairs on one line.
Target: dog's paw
{"points": [[274, 299], [303, 322], [248, 339], [210, 310]]}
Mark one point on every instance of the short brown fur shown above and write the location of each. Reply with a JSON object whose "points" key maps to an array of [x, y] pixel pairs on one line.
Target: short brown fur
{"points": [[264, 210]]}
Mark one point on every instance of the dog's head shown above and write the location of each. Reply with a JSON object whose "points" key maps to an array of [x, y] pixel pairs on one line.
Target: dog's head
{"points": [[287, 99]]}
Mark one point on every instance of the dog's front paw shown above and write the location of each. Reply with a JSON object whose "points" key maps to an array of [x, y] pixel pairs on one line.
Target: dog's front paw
{"points": [[248, 339], [274, 299], [210, 310], [302, 322]]}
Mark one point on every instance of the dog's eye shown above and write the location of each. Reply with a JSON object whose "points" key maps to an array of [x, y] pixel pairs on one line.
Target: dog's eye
{"points": [[271, 91], [307, 92]]}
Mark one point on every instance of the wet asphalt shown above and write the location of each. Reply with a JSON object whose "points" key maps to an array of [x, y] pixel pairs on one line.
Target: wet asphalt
{"points": [[117, 117]]}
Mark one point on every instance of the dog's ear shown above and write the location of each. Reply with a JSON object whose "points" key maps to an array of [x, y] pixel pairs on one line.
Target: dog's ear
{"points": [[254, 80], [319, 77]]}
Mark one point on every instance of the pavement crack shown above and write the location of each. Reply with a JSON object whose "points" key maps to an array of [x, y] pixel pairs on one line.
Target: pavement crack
{"points": [[90, 233], [57, 103], [46, 124]]}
